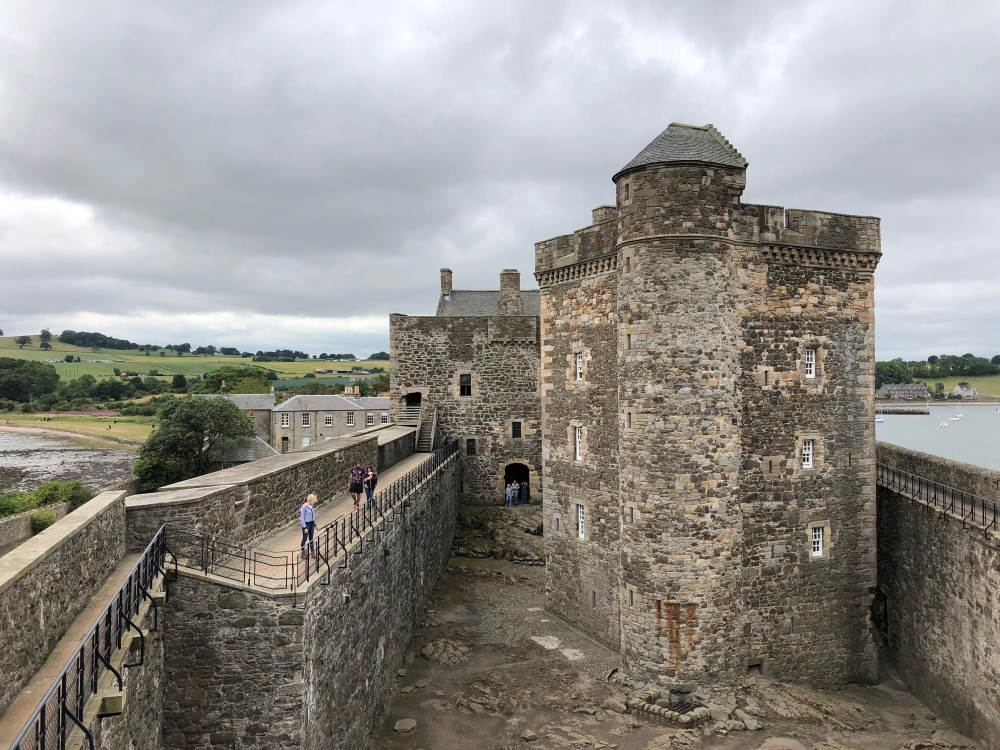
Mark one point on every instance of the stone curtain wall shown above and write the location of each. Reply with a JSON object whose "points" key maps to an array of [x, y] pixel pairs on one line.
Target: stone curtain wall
{"points": [[501, 354], [939, 596], [17, 528], [234, 668], [807, 617], [355, 646], [250, 501], [578, 317], [392, 452], [46, 582]]}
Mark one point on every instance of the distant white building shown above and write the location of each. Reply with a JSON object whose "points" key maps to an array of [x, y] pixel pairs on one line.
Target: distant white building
{"points": [[966, 391], [307, 419]]}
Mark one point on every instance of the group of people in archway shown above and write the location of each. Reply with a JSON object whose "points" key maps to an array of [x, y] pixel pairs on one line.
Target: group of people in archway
{"points": [[516, 493]]}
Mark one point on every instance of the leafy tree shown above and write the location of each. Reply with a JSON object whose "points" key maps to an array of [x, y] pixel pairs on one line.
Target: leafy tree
{"points": [[380, 355], [239, 379], [229, 351], [192, 437], [179, 382], [45, 335], [21, 380], [380, 384], [45, 345], [994, 361], [895, 371], [22, 341], [118, 373], [111, 390], [1, 331], [70, 358], [932, 360]]}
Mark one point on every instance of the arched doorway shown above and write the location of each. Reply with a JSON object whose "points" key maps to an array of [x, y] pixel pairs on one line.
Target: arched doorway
{"points": [[518, 473], [412, 399]]}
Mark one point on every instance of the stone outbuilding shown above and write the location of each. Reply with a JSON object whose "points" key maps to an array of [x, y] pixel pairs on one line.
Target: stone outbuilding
{"points": [[305, 420]]}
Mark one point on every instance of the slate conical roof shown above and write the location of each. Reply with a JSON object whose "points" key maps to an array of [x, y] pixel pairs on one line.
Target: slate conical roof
{"points": [[687, 144]]}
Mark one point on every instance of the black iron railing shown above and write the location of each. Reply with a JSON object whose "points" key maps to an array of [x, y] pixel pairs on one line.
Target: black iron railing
{"points": [[286, 571], [970, 508], [61, 710]]}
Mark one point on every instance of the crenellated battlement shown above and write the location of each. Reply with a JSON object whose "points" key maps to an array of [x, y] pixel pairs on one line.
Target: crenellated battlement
{"points": [[820, 229], [594, 241]]}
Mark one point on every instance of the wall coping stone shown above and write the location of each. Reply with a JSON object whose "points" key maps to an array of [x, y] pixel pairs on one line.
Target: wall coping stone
{"points": [[20, 561], [175, 497], [978, 480]]}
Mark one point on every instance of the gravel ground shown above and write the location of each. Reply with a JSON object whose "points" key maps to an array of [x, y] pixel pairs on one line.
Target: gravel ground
{"points": [[491, 669], [29, 459]]}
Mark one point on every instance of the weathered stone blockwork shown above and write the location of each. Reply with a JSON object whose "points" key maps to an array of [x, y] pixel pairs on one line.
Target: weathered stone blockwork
{"points": [[501, 354], [250, 501], [46, 582], [938, 607], [713, 307], [140, 726]]}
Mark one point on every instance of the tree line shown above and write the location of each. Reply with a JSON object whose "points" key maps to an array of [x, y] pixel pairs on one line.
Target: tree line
{"points": [[935, 366]]}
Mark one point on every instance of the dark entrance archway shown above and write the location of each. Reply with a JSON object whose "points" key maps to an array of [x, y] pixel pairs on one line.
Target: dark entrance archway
{"points": [[518, 473], [412, 399]]}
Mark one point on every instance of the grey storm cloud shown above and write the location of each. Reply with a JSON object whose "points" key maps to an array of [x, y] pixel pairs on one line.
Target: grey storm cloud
{"points": [[260, 174]]}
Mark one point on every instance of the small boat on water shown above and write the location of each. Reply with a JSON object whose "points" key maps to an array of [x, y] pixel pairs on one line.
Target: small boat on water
{"points": [[956, 418], [943, 424], [879, 420]]}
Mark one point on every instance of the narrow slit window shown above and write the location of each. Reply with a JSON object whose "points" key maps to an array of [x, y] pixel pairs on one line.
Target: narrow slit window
{"points": [[625, 191], [807, 454], [628, 340], [579, 522], [631, 598], [628, 264], [766, 373], [817, 541], [578, 443], [810, 363], [465, 385], [579, 366]]}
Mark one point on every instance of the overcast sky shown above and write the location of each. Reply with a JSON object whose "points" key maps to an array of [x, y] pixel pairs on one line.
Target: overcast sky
{"points": [[261, 174]]}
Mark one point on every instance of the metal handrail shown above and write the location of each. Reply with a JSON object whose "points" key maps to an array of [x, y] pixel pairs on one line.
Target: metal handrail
{"points": [[972, 509], [63, 706], [288, 570]]}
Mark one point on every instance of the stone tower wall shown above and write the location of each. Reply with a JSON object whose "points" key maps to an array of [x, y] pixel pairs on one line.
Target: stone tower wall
{"points": [[501, 353], [578, 316], [678, 367]]}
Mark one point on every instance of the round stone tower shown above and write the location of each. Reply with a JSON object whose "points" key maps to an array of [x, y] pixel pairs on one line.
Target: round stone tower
{"points": [[679, 294]]}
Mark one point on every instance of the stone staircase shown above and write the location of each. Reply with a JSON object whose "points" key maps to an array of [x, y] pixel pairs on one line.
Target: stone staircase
{"points": [[408, 417], [425, 438]]}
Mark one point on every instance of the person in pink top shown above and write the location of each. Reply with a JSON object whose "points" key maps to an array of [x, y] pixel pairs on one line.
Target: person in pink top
{"points": [[357, 482]]}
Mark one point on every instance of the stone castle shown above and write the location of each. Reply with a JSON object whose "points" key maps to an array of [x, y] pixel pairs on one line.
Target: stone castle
{"points": [[691, 395]]}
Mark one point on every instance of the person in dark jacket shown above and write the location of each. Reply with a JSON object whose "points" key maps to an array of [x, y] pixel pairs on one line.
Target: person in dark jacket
{"points": [[371, 479]]}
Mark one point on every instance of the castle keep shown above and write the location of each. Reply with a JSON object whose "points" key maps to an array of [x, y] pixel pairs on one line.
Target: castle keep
{"points": [[705, 396]]}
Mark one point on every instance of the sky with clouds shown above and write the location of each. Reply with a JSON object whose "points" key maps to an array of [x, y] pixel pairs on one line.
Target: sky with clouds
{"points": [[259, 174]]}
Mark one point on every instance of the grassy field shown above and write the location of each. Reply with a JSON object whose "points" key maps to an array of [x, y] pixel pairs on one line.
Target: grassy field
{"points": [[127, 428], [167, 365], [987, 385]]}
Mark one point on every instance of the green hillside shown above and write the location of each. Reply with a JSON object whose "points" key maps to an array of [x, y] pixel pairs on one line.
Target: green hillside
{"points": [[167, 365]]}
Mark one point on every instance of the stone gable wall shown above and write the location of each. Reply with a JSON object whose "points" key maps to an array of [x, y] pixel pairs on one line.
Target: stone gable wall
{"points": [[937, 607], [502, 355]]}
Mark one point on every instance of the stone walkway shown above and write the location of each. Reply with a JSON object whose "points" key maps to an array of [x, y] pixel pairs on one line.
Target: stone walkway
{"points": [[288, 538]]}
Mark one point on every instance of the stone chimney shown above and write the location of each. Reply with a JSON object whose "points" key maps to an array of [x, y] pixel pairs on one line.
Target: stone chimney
{"points": [[223, 389], [510, 293], [604, 213], [445, 282]]}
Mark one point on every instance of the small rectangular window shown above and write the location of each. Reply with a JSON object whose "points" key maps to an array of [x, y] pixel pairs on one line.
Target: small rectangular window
{"points": [[470, 447], [369, 419], [579, 522], [817, 541], [578, 440], [306, 419], [807, 454], [628, 264], [328, 420], [465, 385], [285, 420], [810, 363], [385, 417], [579, 367], [515, 429], [625, 191], [628, 340], [350, 419]]}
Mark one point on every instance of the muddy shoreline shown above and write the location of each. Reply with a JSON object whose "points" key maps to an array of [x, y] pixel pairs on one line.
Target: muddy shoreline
{"points": [[31, 456]]}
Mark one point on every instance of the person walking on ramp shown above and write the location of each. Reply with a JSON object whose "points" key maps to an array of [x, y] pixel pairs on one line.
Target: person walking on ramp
{"points": [[307, 516], [357, 482], [371, 480]]}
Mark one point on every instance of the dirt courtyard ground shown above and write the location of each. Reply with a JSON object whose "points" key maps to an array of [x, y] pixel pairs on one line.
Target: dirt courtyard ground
{"points": [[491, 669]]}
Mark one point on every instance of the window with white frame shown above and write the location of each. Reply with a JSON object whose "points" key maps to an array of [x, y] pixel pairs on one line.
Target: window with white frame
{"points": [[810, 363], [579, 522], [328, 420], [369, 419], [578, 443], [350, 419], [817, 541], [285, 421], [807, 454], [385, 417], [306, 421], [579, 366]]}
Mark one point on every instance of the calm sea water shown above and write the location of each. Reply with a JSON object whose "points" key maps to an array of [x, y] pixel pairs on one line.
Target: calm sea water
{"points": [[975, 439]]}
